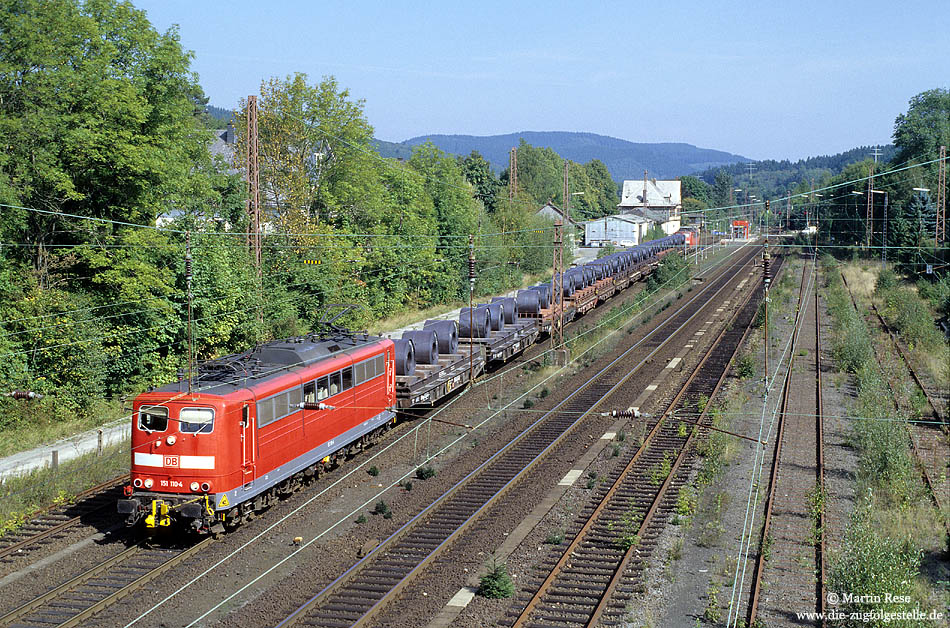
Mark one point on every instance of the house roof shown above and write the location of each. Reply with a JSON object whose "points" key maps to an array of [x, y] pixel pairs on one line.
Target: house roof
{"points": [[553, 211], [630, 218], [223, 144], [659, 193]]}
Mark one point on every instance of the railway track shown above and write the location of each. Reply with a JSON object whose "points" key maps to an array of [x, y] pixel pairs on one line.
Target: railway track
{"points": [[928, 442], [791, 549], [77, 600], [600, 565], [359, 594], [49, 524]]}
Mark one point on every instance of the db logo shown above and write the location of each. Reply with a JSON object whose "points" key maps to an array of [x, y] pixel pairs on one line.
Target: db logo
{"points": [[171, 461]]}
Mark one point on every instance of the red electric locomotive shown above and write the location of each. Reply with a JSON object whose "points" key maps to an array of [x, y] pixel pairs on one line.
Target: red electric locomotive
{"points": [[254, 426]]}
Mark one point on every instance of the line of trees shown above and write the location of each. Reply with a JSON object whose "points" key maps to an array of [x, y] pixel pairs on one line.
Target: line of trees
{"points": [[105, 127]]}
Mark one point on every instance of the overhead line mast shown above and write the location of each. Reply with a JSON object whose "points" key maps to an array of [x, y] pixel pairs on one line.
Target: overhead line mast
{"points": [[253, 183], [512, 173], [940, 229]]}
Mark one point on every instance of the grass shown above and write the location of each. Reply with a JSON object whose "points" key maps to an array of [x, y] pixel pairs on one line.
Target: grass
{"points": [[37, 428], [713, 610], [912, 316], [24, 495]]}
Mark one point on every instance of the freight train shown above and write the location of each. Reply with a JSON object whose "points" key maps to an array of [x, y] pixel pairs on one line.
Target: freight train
{"points": [[225, 442]]}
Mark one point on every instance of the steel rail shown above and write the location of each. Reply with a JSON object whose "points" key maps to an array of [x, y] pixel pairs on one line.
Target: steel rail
{"points": [[615, 580], [102, 568], [48, 532], [776, 457], [935, 495], [580, 537], [406, 528], [913, 372]]}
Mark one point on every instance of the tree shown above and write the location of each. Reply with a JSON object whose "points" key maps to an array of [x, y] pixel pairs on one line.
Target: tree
{"points": [[696, 189], [722, 189], [316, 162], [907, 231], [478, 172], [925, 127], [456, 214], [540, 174], [96, 117], [603, 190]]}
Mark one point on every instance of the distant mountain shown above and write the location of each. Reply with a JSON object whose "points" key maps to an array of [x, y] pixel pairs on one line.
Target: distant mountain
{"points": [[624, 160]]}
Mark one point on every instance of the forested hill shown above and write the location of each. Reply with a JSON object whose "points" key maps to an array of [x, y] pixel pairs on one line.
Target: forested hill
{"points": [[774, 178], [624, 160]]}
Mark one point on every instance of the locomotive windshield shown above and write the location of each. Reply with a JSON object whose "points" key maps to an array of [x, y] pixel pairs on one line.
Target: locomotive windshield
{"points": [[194, 420], [153, 418]]}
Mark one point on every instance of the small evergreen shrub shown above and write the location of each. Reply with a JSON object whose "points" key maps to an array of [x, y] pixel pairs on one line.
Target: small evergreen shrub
{"points": [[426, 472], [496, 584]]}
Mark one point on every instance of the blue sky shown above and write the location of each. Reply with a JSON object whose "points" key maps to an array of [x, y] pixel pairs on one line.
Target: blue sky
{"points": [[762, 79]]}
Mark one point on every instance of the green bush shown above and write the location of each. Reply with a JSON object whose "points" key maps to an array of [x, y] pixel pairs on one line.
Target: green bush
{"points": [[382, 508], [910, 315], [851, 345], [426, 472], [885, 281], [873, 564], [496, 584], [686, 501], [745, 365], [373, 471], [555, 538], [881, 439], [937, 293]]}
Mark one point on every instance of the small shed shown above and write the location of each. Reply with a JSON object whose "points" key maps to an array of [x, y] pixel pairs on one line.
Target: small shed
{"points": [[625, 230]]}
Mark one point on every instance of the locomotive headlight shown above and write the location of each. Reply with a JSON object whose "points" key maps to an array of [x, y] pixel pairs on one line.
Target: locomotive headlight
{"points": [[148, 483], [206, 487], [137, 482], [194, 486], [171, 439]]}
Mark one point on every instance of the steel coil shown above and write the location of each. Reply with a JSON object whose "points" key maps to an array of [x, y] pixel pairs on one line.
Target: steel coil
{"points": [[405, 357], [508, 303], [529, 302], [544, 290], [478, 318], [425, 344], [447, 334], [496, 315]]}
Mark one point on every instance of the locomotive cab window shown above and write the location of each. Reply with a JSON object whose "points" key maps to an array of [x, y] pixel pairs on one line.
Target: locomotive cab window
{"points": [[196, 420], [310, 392], [348, 378], [153, 418], [323, 388], [335, 385], [293, 400]]}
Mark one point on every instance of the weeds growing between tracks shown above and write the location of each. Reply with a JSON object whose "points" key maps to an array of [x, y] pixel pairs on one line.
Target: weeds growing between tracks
{"points": [[894, 530]]}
